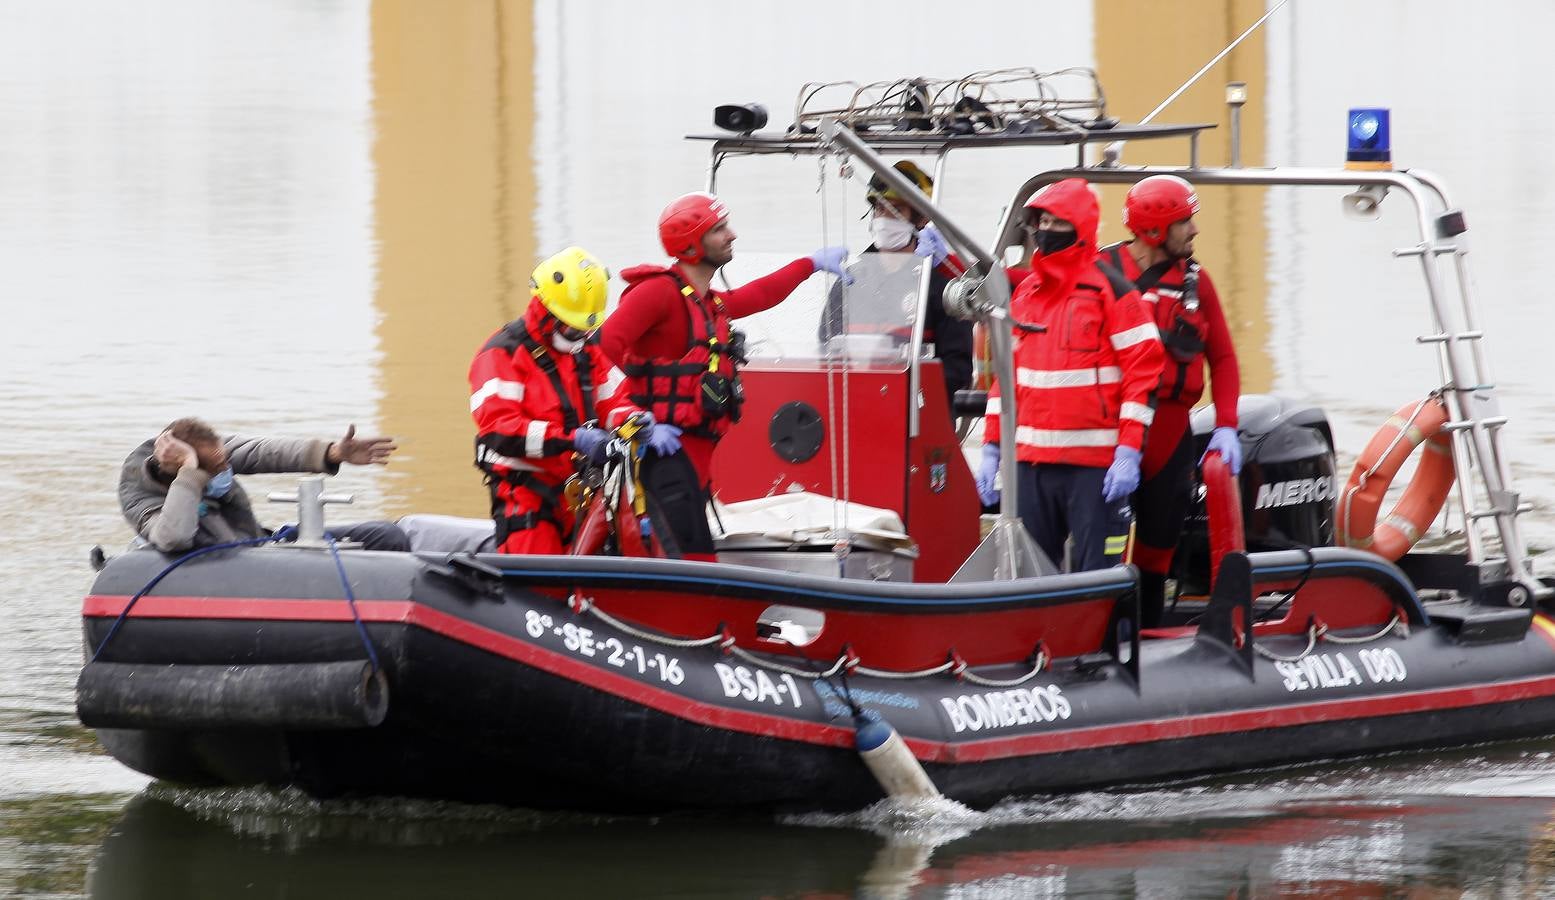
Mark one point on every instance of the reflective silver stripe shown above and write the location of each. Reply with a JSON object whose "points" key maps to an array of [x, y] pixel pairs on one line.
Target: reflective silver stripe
{"points": [[534, 438], [613, 382], [496, 387], [1136, 335], [995, 405], [1062, 378], [1061, 437], [491, 457], [1139, 412]]}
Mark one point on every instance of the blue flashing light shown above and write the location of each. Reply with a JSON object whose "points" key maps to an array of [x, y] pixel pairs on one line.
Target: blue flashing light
{"points": [[1370, 140]]}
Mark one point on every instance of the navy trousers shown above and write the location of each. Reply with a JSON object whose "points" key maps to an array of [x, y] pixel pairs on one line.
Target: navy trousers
{"points": [[1057, 501]]}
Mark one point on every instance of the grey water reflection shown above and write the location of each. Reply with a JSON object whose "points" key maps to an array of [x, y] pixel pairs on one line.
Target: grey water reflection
{"points": [[1285, 838]]}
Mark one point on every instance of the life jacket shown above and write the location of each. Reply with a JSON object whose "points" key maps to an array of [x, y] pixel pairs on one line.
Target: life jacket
{"points": [[526, 354], [700, 392], [1180, 318]]}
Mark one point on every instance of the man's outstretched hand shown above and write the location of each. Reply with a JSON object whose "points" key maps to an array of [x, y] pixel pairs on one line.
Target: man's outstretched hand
{"points": [[360, 451]]}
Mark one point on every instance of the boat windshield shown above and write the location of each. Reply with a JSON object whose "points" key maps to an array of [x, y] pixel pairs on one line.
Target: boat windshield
{"points": [[868, 322]]}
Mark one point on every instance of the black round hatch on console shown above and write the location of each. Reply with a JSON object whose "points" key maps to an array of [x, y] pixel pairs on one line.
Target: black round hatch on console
{"points": [[796, 431]]}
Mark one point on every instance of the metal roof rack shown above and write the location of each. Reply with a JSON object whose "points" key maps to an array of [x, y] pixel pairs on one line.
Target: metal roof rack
{"points": [[982, 102], [991, 108]]}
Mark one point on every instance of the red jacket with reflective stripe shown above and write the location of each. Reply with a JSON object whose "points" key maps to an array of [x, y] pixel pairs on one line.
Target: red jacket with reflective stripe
{"points": [[519, 417], [1086, 384]]}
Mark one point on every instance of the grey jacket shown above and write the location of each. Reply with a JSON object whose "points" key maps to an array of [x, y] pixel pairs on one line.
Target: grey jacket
{"points": [[174, 514]]}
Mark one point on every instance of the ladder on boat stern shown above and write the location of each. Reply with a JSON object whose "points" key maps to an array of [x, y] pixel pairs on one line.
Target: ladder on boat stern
{"points": [[1490, 504]]}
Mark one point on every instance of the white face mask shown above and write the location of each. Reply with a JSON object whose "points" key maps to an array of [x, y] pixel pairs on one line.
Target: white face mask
{"points": [[564, 345], [890, 233]]}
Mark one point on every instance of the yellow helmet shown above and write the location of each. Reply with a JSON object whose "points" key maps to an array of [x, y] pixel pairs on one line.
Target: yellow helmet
{"points": [[878, 190], [573, 286]]}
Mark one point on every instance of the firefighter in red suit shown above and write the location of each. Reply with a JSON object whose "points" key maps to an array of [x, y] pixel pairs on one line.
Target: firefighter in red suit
{"points": [[671, 335], [1182, 300], [537, 388], [1087, 359]]}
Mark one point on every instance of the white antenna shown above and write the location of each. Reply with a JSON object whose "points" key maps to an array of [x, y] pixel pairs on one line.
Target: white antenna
{"points": [[1114, 151]]}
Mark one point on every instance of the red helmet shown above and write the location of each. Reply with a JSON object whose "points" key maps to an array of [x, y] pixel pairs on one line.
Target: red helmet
{"points": [[685, 221], [1158, 202]]}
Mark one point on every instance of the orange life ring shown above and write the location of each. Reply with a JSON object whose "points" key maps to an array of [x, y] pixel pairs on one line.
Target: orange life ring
{"points": [[1410, 427]]}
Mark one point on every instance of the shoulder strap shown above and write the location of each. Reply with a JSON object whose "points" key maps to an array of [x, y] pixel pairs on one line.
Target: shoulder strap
{"points": [[709, 321], [1147, 279], [585, 366], [547, 364], [1152, 276], [709, 326], [1120, 285]]}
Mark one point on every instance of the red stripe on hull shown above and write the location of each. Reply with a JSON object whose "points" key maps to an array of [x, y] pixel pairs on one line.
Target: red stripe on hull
{"points": [[411, 613], [1254, 719], [1202, 725]]}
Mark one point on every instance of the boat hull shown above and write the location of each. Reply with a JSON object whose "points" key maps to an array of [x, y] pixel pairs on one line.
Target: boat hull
{"points": [[516, 697]]}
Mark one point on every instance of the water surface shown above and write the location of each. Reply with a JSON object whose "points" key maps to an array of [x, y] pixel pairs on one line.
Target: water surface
{"points": [[291, 216]]}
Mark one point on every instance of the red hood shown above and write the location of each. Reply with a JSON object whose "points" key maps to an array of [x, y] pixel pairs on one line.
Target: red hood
{"points": [[643, 272], [1072, 201]]}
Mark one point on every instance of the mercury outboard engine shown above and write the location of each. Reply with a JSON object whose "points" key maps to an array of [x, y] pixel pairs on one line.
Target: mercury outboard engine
{"points": [[1287, 482]]}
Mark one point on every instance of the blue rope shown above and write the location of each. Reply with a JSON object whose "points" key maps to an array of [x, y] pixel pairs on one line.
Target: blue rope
{"points": [[124, 614], [334, 550], [280, 535]]}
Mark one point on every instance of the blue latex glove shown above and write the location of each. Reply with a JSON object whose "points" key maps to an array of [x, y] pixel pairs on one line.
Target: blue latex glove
{"points": [[931, 245], [664, 440], [987, 476], [1223, 440], [830, 259], [1122, 476], [590, 442]]}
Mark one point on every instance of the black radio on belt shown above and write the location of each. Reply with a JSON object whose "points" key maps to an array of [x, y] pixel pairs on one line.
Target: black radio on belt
{"points": [[1184, 341], [723, 395]]}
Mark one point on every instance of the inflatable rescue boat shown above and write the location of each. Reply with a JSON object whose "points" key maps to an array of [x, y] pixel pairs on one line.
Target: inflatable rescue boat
{"points": [[859, 636]]}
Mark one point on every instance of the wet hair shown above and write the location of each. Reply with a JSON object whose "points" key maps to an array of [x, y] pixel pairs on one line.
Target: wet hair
{"points": [[193, 431]]}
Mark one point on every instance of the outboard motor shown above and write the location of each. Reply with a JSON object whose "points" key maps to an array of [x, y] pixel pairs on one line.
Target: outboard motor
{"points": [[1287, 483]]}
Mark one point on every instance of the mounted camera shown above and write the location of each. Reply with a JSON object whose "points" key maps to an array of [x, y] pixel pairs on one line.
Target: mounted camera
{"points": [[741, 118]]}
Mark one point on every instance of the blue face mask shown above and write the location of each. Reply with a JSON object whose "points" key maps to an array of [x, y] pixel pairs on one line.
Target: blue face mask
{"points": [[220, 483]]}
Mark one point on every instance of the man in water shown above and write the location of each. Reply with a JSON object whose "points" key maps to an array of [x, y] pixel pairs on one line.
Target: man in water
{"points": [[177, 489]]}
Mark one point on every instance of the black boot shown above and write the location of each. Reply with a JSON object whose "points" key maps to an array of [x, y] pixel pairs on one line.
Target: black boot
{"points": [[1152, 599]]}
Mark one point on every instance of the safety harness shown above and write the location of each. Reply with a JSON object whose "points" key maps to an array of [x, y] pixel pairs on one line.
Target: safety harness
{"points": [[692, 392], [541, 354], [1184, 341], [550, 496]]}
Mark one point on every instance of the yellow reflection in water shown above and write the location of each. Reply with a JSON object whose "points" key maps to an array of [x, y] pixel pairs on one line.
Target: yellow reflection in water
{"points": [[1144, 51], [454, 109]]}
